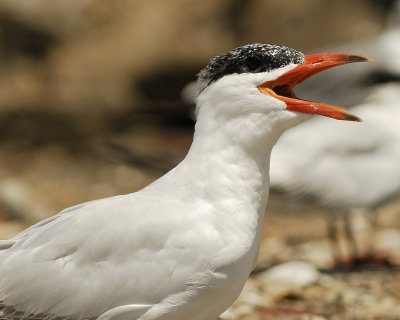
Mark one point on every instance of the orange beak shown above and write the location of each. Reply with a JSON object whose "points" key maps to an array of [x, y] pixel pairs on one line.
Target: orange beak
{"points": [[282, 88]]}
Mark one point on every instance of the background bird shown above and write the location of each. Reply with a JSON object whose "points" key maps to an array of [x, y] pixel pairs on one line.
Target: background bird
{"points": [[348, 167], [344, 167]]}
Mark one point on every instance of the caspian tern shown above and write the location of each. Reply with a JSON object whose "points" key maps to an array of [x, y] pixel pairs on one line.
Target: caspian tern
{"points": [[349, 167], [183, 247], [344, 167]]}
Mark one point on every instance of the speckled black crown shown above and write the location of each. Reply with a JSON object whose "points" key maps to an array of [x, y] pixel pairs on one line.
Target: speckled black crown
{"points": [[251, 58]]}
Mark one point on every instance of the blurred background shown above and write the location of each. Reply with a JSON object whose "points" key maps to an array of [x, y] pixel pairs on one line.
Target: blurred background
{"points": [[91, 106]]}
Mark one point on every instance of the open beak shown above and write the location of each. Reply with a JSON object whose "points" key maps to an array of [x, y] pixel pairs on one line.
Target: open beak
{"points": [[282, 88]]}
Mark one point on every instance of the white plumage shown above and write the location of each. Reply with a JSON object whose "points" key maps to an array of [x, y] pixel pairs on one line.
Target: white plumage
{"points": [[345, 166], [341, 165]]}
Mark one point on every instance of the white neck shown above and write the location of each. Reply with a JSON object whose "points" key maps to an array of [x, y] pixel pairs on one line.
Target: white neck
{"points": [[227, 166], [224, 178], [234, 156]]}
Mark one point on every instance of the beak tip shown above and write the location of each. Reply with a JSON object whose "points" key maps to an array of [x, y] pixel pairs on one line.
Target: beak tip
{"points": [[350, 117], [358, 58]]}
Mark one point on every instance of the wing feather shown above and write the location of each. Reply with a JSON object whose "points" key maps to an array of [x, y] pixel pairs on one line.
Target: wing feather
{"points": [[100, 255]]}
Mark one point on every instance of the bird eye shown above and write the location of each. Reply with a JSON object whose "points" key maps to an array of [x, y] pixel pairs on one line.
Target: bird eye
{"points": [[252, 64]]}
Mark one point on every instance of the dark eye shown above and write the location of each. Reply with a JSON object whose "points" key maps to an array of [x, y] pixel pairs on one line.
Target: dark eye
{"points": [[252, 64]]}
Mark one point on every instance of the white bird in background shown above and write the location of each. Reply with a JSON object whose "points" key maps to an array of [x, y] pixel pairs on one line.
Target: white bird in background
{"points": [[183, 247], [349, 167], [344, 167]]}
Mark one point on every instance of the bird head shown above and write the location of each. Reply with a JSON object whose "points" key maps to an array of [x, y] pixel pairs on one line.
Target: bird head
{"points": [[259, 79]]}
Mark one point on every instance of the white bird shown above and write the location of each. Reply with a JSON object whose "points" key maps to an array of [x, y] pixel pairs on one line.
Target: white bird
{"points": [[344, 167], [349, 167], [183, 247]]}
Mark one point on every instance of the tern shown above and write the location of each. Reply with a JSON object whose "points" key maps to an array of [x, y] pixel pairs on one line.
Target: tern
{"points": [[182, 247], [357, 167], [347, 168]]}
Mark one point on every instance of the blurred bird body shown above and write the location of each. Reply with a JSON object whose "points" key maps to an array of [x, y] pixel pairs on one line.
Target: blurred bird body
{"points": [[348, 167], [183, 247], [344, 167]]}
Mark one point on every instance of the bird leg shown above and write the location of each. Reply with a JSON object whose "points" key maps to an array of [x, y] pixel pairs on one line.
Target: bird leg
{"points": [[332, 234], [343, 242]]}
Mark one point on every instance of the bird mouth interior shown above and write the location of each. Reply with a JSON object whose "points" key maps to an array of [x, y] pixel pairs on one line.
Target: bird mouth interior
{"points": [[281, 90], [285, 91], [282, 87]]}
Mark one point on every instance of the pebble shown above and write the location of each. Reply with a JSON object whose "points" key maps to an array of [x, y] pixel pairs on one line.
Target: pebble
{"points": [[318, 252], [292, 275]]}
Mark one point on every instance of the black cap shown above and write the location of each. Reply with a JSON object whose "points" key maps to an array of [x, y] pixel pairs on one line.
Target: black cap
{"points": [[251, 58]]}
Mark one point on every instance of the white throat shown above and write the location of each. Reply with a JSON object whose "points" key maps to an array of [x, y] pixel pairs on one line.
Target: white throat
{"points": [[227, 166], [225, 175]]}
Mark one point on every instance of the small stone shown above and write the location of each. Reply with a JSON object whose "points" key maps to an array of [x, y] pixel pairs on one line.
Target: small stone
{"points": [[288, 278], [317, 252]]}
